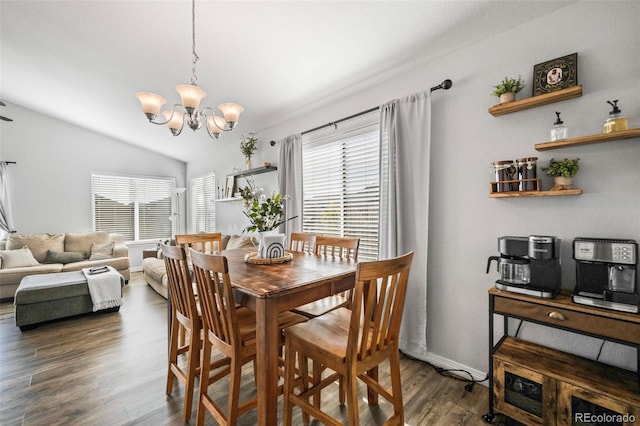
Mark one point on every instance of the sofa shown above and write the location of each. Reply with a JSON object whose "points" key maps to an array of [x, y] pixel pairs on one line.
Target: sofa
{"points": [[31, 254], [155, 273]]}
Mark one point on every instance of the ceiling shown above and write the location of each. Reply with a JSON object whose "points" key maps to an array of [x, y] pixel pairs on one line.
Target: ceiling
{"points": [[83, 61]]}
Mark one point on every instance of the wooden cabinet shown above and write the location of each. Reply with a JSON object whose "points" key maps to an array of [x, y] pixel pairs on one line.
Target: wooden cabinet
{"points": [[537, 385]]}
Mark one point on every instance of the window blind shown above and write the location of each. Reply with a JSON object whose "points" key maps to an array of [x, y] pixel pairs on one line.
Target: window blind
{"points": [[202, 195], [341, 194], [139, 208]]}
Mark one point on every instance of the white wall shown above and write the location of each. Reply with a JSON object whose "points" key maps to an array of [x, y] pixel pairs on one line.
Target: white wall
{"points": [[50, 185], [464, 222]]}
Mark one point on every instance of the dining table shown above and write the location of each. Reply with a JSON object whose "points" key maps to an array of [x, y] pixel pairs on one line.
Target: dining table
{"points": [[271, 288]]}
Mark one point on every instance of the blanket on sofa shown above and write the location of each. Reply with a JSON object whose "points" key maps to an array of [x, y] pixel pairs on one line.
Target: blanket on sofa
{"points": [[105, 287]]}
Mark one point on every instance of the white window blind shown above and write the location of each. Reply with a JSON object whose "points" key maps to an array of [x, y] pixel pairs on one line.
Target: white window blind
{"points": [[202, 195], [341, 194], [139, 208]]}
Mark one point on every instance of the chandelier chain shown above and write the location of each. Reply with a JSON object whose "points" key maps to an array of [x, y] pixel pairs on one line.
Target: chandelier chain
{"points": [[194, 77]]}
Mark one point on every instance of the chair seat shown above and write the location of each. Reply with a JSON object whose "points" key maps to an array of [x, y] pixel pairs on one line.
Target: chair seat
{"points": [[326, 334], [322, 306], [247, 323]]}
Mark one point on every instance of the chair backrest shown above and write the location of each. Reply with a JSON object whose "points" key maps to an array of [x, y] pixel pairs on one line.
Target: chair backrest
{"points": [[204, 243], [302, 241], [183, 298], [216, 299], [342, 247], [377, 305]]}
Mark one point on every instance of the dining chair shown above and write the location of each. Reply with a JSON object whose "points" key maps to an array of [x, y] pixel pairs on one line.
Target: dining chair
{"points": [[184, 316], [353, 342], [229, 329], [210, 242], [339, 247], [302, 242]]}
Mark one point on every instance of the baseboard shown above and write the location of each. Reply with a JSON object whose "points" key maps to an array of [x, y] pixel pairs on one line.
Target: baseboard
{"points": [[448, 364]]}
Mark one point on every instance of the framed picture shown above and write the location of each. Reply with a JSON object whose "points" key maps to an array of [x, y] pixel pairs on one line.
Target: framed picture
{"points": [[228, 188], [556, 74]]}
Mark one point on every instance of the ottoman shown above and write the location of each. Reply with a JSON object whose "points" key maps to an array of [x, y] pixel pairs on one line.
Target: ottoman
{"points": [[47, 297]]}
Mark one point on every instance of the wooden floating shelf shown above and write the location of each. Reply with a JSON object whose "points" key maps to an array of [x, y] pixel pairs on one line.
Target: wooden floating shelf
{"points": [[255, 171], [536, 101], [516, 194], [586, 140]]}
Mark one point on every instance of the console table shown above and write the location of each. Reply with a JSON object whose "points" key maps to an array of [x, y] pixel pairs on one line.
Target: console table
{"points": [[539, 385]]}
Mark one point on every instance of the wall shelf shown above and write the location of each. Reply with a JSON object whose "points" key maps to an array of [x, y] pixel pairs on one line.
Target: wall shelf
{"points": [[591, 139], [254, 171], [224, 200], [536, 101], [515, 194]]}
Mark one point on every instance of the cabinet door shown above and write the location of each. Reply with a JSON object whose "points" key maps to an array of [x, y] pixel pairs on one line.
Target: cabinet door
{"points": [[578, 406], [523, 394]]}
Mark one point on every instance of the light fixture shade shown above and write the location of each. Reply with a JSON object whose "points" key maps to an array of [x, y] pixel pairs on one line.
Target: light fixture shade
{"points": [[191, 96], [176, 122], [231, 113], [216, 124], [151, 103]]}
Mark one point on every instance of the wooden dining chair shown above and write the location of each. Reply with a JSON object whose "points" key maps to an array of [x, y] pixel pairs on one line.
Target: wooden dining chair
{"points": [[229, 329], [184, 316], [210, 242], [353, 342], [302, 242], [339, 247]]}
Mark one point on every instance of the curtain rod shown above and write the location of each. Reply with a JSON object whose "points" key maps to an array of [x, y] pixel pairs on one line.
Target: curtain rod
{"points": [[446, 85]]}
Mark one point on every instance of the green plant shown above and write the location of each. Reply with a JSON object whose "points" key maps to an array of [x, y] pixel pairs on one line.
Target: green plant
{"points": [[264, 213], [508, 85], [248, 145], [564, 168]]}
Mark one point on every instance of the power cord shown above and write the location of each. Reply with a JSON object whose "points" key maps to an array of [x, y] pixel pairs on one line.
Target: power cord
{"points": [[448, 372]]}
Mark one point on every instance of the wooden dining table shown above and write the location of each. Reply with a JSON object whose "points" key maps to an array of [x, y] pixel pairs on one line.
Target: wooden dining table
{"points": [[269, 289]]}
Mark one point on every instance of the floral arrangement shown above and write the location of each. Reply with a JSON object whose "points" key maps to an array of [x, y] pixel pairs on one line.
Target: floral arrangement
{"points": [[564, 168], [248, 145], [508, 85], [264, 213]]}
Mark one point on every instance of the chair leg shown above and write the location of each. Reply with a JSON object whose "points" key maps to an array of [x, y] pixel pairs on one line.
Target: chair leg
{"points": [[289, 378], [173, 355], [204, 382], [192, 366], [351, 385], [396, 386], [234, 390]]}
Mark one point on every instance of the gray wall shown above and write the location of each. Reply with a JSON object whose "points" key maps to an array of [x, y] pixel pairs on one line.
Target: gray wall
{"points": [[464, 221], [50, 185]]}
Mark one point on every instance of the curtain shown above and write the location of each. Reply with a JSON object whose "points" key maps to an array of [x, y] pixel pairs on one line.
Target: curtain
{"points": [[6, 223], [290, 180], [404, 204]]}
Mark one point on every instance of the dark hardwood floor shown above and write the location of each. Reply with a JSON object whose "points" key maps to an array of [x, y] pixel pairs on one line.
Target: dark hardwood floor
{"points": [[110, 369]]}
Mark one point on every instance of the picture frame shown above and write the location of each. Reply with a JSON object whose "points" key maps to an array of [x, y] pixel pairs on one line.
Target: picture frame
{"points": [[229, 187], [556, 74]]}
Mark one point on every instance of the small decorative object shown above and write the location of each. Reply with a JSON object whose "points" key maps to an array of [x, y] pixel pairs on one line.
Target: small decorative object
{"points": [[562, 173], [228, 189], [528, 174], [248, 145], [505, 175], [556, 74], [507, 90], [616, 121], [271, 246], [559, 131]]}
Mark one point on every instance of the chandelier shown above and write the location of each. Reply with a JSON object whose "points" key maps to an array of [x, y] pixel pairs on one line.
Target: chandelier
{"points": [[188, 110]]}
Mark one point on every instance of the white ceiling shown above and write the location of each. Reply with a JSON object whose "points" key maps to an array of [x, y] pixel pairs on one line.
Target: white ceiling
{"points": [[83, 61]]}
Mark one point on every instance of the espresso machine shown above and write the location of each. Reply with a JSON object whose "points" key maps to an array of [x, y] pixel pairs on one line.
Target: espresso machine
{"points": [[528, 265], [606, 273]]}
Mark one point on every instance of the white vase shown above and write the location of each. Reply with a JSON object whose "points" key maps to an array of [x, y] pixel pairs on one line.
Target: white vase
{"points": [[248, 163], [271, 244], [507, 97]]}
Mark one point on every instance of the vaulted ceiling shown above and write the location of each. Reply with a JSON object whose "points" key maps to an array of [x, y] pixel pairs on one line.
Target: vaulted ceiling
{"points": [[83, 61]]}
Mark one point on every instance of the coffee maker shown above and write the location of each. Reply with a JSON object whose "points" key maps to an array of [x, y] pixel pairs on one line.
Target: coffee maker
{"points": [[528, 265], [606, 273]]}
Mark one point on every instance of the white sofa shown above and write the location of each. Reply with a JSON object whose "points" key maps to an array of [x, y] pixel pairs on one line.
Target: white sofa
{"points": [[31, 254]]}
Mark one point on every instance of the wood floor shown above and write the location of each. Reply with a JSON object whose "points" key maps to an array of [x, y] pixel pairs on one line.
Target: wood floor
{"points": [[110, 369]]}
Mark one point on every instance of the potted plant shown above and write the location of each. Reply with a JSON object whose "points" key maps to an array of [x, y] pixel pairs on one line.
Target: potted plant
{"points": [[248, 145], [508, 88], [562, 172]]}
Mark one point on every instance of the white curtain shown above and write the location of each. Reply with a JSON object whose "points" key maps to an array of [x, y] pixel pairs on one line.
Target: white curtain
{"points": [[290, 180], [404, 204], [6, 222]]}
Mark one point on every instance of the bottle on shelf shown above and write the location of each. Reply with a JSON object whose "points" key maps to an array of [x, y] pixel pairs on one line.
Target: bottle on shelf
{"points": [[559, 131], [616, 121]]}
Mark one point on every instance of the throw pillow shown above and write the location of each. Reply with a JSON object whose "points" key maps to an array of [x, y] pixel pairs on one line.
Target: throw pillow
{"points": [[65, 257], [238, 241], [17, 258], [101, 251], [37, 243]]}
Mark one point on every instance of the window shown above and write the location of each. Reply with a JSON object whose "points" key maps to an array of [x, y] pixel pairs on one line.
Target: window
{"points": [[202, 195], [139, 208], [341, 191]]}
